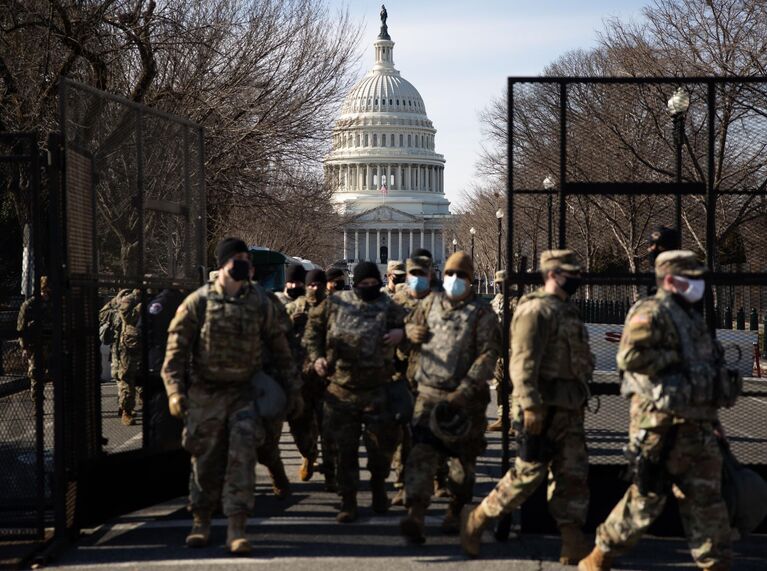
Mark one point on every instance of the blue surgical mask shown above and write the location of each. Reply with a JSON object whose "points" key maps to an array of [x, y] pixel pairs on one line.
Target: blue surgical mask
{"points": [[454, 286], [418, 284]]}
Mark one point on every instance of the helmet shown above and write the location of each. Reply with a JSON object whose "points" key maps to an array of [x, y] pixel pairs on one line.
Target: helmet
{"points": [[449, 423]]}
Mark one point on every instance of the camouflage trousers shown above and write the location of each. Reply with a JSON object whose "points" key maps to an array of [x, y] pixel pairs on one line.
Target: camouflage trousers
{"points": [[401, 454], [694, 464], [349, 415], [429, 453], [566, 464], [127, 373], [222, 433], [498, 381], [37, 367]]}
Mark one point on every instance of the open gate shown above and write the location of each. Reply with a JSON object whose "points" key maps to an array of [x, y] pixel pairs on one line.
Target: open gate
{"points": [[593, 165]]}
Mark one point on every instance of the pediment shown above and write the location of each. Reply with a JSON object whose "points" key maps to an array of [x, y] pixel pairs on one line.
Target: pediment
{"points": [[384, 214]]}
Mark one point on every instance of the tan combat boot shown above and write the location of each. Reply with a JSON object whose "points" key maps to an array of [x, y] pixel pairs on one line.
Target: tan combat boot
{"points": [[574, 545], [473, 523], [496, 426], [200, 533], [451, 523], [597, 560], [412, 525], [235, 535], [399, 498], [127, 419], [348, 512], [306, 471]]}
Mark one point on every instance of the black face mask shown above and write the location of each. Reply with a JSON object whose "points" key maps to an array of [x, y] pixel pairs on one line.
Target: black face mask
{"points": [[295, 292], [240, 270], [368, 293], [571, 285], [315, 295]]}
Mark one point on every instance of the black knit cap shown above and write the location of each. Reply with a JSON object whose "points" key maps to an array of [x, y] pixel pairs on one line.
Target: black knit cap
{"points": [[421, 253], [295, 273], [365, 270], [334, 274], [227, 248], [316, 276]]}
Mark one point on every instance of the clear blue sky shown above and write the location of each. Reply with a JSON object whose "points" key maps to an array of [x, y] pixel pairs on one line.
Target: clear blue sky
{"points": [[458, 54]]}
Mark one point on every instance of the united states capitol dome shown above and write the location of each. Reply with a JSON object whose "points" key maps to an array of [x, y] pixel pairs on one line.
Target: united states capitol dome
{"points": [[386, 176]]}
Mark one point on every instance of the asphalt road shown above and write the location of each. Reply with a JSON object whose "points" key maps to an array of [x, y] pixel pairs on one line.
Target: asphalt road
{"points": [[301, 533]]}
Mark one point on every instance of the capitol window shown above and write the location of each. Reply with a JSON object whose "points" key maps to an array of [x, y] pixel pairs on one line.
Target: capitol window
{"points": [[401, 139], [375, 140], [409, 141], [391, 140], [383, 140]]}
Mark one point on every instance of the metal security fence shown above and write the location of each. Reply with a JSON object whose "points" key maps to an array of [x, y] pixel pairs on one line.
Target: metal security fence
{"points": [[595, 164], [129, 216], [26, 434]]}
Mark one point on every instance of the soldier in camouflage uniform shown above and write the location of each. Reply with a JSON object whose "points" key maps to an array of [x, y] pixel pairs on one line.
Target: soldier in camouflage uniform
{"points": [[336, 280], [295, 284], [129, 355], [497, 305], [268, 452], [674, 378], [350, 338], [395, 277], [305, 429], [221, 330], [457, 343], [417, 287], [550, 365], [109, 332], [35, 329]]}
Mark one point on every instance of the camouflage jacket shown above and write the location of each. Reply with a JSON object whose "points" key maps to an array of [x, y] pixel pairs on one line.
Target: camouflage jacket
{"points": [[403, 364], [270, 366], [225, 337], [34, 323], [462, 347], [349, 332], [667, 357], [129, 313], [550, 361], [497, 305]]}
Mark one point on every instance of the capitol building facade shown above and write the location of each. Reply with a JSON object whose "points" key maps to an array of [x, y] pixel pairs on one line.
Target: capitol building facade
{"points": [[387, 178]]}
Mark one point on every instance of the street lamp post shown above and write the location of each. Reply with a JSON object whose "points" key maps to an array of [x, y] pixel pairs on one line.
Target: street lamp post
{"points": [[677, 108], [499, 216], [455, 245], [472, 231], [548, 184]]}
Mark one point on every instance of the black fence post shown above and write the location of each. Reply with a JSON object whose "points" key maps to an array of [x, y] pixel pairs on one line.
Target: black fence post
{"points": [[727, 318], [741, 319], [753, 320]]}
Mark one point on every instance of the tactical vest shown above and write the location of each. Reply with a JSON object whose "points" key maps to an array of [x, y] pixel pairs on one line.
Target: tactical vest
{"points": [[355, 332], [568, 354], [230, 341], [445, 359], [697, 388]]}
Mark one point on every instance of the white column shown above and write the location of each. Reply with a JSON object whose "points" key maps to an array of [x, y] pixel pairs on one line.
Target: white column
{"points": [[367, 245], [410, 252], [399, 247], [345, 257], [378, 247], [356, 247], [388, 177], [388, 245], [408, 182], [422, 233], [433, 243]]}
